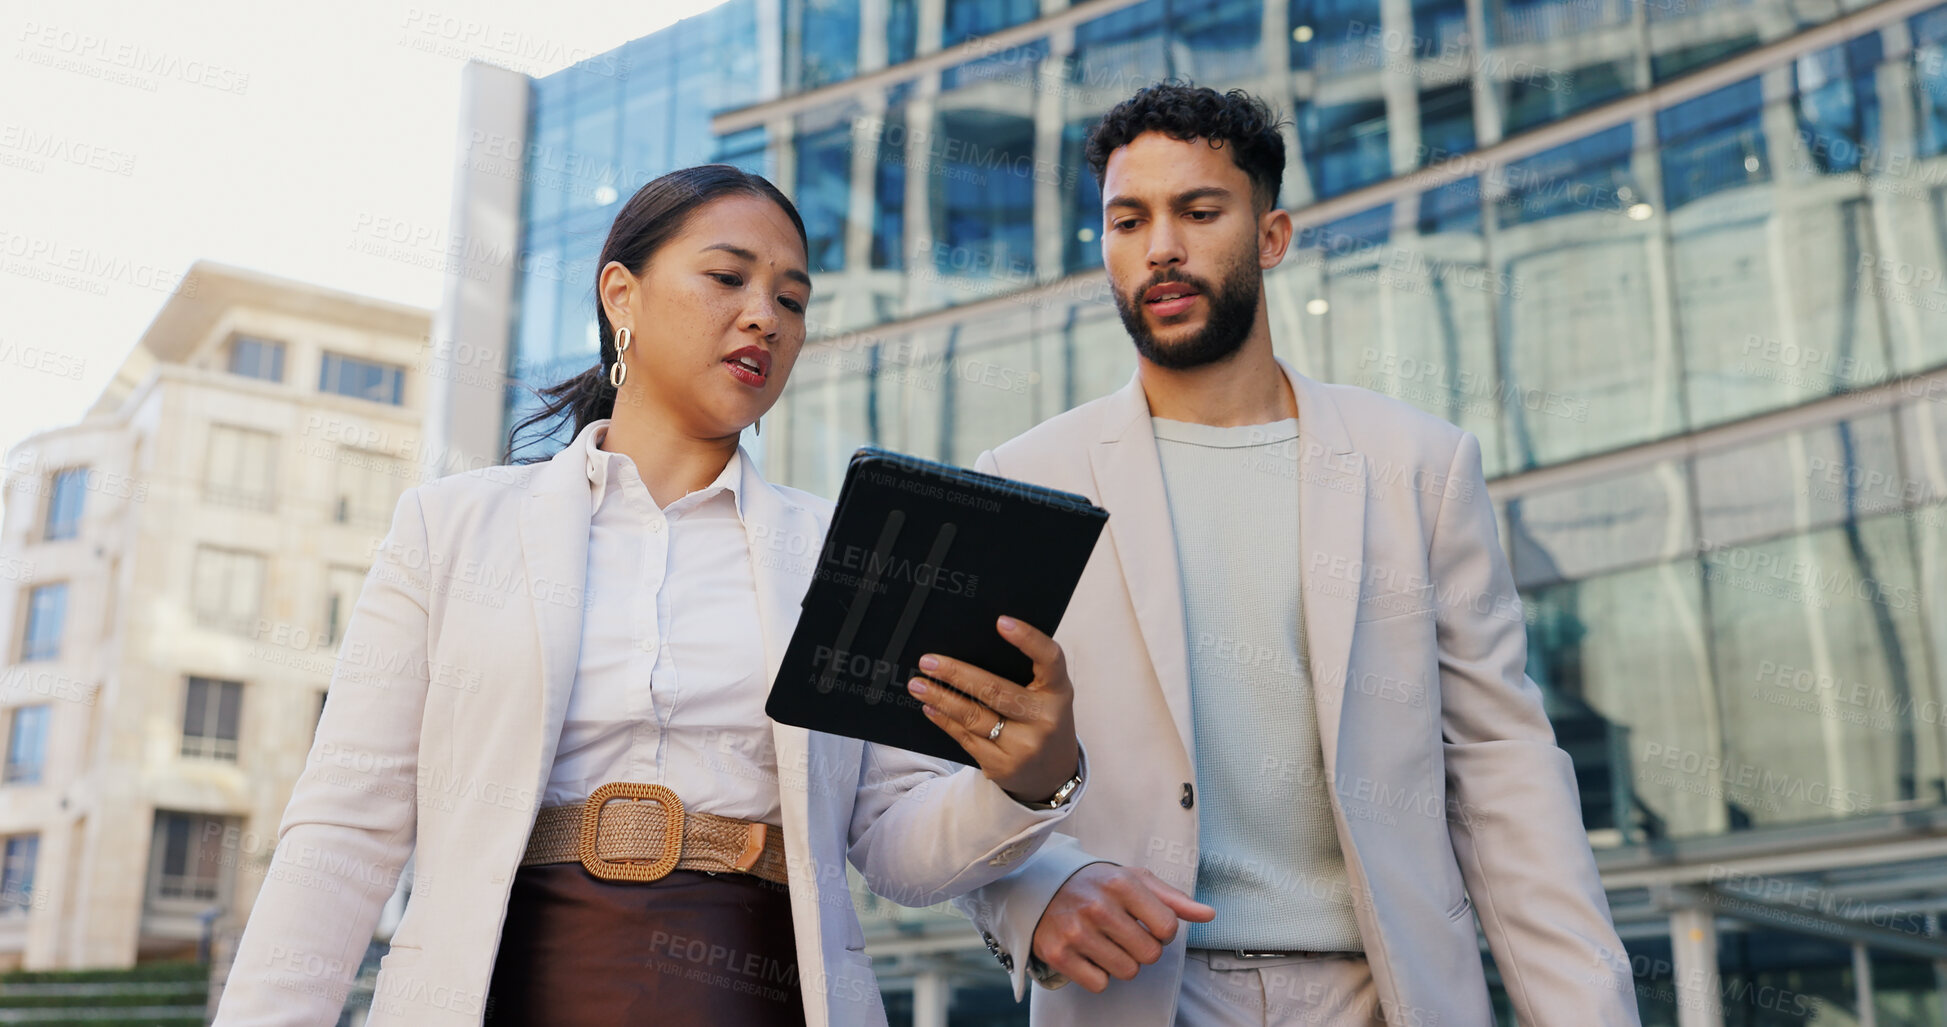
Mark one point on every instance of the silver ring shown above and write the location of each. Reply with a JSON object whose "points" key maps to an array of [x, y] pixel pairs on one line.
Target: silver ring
{"points": [[996, 733]]}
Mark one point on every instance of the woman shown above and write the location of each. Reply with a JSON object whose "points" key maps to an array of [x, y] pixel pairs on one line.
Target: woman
{"points": [[609, 620]]}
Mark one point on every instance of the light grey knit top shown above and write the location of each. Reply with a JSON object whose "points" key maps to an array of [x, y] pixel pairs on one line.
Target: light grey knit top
{"points": [[1269, 857]]}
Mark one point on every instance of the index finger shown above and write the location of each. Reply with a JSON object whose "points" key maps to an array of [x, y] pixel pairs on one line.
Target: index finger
{"points": [[1139, 901], [982, 686], [1049, 664]]}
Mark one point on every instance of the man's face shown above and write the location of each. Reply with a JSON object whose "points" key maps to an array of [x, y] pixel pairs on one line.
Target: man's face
{"points": [[1180, 242]]}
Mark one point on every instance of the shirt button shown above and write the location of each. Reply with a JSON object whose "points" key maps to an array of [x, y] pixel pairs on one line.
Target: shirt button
{"points": [[656, 526], [1189, 796]]}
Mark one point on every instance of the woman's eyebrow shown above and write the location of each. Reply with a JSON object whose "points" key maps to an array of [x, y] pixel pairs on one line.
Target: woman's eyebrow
{"points": [[792, 273]]}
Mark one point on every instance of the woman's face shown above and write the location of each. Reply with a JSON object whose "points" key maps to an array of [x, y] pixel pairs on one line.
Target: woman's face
{"points": [[717, 318]]}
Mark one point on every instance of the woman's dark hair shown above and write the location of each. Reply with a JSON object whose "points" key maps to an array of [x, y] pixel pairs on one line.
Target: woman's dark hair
{"points": [[657, 213], [1242, 123]]}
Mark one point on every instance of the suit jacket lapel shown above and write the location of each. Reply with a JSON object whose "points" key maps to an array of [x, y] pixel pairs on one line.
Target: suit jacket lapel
{"points": [[785, 540], [1331, 539], [1129, 480], [554, 548], [784, 544]]}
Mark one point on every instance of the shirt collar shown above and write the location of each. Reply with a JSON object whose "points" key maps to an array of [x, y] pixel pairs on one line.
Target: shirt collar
{"points": [[605, 469]]}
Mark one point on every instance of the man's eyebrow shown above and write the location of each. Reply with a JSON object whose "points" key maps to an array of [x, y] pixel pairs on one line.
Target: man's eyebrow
{"points": [[1182, 199], [738, 251], [1208, 192]]}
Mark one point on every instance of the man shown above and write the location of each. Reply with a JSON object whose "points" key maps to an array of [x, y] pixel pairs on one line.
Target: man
{"points": [[1298, 659]]}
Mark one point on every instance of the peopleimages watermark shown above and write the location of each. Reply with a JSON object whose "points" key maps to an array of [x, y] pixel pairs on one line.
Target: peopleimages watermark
{"points": [[83, 268], [466, 38], [1769, 571], [1757, 785], [124, 63], [33, 149]]}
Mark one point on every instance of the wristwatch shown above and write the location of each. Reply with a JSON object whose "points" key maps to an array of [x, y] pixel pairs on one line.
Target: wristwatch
{"points": [[1061, 796]]}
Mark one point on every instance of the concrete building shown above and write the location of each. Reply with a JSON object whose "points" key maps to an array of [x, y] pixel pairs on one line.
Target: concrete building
{"points": [[178, 567]]}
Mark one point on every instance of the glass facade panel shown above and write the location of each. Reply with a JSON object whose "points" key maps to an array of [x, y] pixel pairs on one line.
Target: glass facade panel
{"points": [[827, 43], [824, 187]]}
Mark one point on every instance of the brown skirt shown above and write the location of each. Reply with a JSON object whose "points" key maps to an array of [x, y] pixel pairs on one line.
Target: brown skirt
{"points": [[692, 948]]}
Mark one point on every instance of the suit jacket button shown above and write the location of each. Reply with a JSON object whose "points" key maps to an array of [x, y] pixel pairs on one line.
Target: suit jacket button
{"points": [[1189, 796]]}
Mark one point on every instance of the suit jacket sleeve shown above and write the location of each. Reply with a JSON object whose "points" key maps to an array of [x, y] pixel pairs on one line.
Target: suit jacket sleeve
{"points": [[349, 826], [1007, 910], [925, 830], [1513, 808]]}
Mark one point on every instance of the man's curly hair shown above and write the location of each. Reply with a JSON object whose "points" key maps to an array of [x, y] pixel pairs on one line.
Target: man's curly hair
{"points": [[1240, 122]]}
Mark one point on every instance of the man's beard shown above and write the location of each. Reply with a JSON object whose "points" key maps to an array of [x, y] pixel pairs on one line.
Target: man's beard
{"points": [[1233, 310]]}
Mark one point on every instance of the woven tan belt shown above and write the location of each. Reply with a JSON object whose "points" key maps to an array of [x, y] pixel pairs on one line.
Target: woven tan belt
{"points": [[649, 834]]}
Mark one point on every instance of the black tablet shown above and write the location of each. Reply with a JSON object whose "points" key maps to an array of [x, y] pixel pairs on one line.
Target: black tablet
{"points": [[924, 557]]}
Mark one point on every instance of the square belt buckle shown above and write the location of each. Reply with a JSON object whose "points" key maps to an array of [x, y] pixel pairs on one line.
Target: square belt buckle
{"points": [[631, 869]]}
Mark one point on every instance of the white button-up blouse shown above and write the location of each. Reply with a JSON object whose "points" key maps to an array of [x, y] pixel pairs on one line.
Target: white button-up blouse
{"points": [[670, 686]]}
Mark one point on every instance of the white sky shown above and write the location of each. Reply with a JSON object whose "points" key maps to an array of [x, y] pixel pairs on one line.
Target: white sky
{"points": [[138, 137]]}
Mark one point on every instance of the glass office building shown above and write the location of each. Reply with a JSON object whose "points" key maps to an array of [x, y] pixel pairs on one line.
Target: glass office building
{"points": [[1680, 264]]}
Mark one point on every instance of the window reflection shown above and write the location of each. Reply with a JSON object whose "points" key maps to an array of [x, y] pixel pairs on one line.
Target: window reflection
{"points": [[1929, 67], [1335, 35], [1344, 145], [824, 185], [1838, 105], [966, 19], [1218, 39], [1533, 95]]}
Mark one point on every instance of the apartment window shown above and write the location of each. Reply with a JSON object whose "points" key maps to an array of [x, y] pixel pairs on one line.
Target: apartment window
{"points": [[363, 379], [186, 858], [47, 614], [64, 503], [257, 358], [227, 588], [241, 468], [342, 585], [17, 874], [26, 745], [211, 709], [367, 487]]}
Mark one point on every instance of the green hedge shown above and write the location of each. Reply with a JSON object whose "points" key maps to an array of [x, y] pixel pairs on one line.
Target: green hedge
{"points": [[177, 971], [101, 1001], [182, 1021]]}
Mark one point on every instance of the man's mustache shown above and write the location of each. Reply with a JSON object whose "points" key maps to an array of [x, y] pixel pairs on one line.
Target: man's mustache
{"points": [[1136, 296]]}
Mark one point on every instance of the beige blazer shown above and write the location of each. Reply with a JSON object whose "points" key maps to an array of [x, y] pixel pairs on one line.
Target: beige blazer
{"points": [[446, 706], [1450, 796]]}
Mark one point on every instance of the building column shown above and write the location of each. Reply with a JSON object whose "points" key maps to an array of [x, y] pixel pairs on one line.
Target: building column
{"points": [[1693, 952], [1862, 985], [468, 356], [931, 992], [1050, 92]]}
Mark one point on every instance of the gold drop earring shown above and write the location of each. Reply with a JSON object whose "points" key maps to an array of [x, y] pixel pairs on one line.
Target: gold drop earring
{"points": [[618, 372]]}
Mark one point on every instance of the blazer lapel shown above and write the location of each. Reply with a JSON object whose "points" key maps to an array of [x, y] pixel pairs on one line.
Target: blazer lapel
{"points": [[784, 544], [1331, 539], [1129, 480], [554, 547], [785, 540]]}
